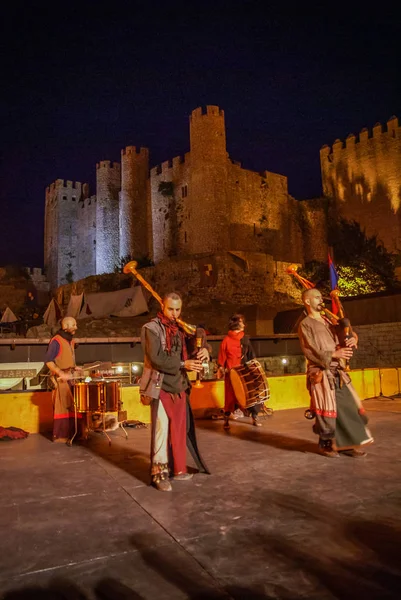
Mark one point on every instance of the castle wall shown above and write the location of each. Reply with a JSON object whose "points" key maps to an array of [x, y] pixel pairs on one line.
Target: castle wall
{"points": [[134, 203], [68, 201], [214, 206], [208, 224], [170, 214], [51, 231], [86, 238], [108, 186], [364, 179], [313, 219], [263, 217], [62, 225]]}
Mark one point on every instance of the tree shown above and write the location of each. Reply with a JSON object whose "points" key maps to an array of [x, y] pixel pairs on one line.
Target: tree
{"points": [[362, 262]]}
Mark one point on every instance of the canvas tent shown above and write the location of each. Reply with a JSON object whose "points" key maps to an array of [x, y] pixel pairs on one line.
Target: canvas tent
{"points": [[75, 306], [8, 316], [129, 302], [52, 314]]}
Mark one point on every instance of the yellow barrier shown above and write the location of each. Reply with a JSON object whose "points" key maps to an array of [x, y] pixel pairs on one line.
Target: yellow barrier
{"points": [[33, 411]]}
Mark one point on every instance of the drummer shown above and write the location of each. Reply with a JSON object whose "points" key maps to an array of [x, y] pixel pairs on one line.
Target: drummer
{"points": [[235, 350], [60, 359]]}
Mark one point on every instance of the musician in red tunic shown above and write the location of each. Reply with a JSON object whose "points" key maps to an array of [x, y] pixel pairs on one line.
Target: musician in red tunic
{"points": [[235, 349]]}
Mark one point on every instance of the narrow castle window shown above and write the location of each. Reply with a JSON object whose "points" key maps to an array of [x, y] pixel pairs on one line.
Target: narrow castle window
{"points": [[184, 191], [185, 237], [64, 197], [73, 198]]}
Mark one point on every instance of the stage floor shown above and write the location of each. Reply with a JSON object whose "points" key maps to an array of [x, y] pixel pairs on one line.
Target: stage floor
{"points": [[274, 520]]}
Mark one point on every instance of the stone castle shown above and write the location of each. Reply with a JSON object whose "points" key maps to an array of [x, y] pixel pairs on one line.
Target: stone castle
{"points": [[202, 203], [205, 204]]}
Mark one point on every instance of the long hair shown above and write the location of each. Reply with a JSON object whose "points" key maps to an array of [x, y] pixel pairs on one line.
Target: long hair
{"points": [[233, 323]]}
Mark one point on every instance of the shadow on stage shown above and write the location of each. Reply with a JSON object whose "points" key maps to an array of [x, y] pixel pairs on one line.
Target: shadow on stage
{"points": [[358, 559], [243, 430]]}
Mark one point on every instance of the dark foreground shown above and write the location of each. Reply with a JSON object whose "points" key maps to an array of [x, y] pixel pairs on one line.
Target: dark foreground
{"points": [[274, 520]]}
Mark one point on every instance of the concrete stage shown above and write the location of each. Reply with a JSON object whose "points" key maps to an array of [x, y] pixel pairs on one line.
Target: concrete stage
{"points": [[274, 520]]}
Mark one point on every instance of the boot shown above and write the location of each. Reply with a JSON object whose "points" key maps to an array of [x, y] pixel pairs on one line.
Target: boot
{"points": [[326, 449], [160, 477]]}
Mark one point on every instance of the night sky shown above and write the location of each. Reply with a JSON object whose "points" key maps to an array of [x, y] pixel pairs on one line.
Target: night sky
{"points": [[79, 84]]}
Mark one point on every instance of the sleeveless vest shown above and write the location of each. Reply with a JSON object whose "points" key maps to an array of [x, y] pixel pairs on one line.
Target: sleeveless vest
{"points": [[66, 357]]}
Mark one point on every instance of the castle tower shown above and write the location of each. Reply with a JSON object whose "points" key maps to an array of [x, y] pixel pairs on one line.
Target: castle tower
{"points": [[208, 229], [108, 186], [61, 230], [134, 205]]}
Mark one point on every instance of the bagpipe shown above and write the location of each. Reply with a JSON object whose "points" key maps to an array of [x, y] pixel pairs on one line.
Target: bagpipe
{"points": [[335, 317], [131, 268]]}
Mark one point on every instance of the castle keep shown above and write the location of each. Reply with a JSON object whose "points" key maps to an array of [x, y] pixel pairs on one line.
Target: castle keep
{"points": [[200, 203], [364, 180]]}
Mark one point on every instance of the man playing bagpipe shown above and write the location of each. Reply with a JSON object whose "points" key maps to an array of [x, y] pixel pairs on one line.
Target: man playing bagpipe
{"points": [[340, 420], [165, 386]]}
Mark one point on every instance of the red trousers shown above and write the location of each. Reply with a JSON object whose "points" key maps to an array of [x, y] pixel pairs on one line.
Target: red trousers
{"points": [[230, 400], [175, 406]]}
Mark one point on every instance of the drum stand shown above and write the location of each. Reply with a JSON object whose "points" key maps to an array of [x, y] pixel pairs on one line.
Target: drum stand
{"points": [[89, 428], [69, 442]]}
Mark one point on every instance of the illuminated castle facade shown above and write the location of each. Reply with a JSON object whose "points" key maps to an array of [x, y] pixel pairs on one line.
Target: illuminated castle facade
{"points": [[363, 177], [205, 203], [200, 203]]}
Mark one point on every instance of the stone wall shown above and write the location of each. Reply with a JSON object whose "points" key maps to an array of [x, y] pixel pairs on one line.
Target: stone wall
{"points": [[171, 214], [215, 205], [364, 179], [63, 220], [85, 251], [379, 346], [108, 187], [134, 210], [312, 216], [208, 224]]}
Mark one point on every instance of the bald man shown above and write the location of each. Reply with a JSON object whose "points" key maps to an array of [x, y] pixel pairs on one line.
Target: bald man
{"points": [[339, 415], [60, 359]]}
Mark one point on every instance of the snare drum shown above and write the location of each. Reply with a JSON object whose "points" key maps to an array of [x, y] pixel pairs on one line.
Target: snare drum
{"points": [[113, 396], [250, 384]]}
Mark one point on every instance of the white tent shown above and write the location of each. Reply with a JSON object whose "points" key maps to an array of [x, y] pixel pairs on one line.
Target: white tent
{"points": [[8, 316], [52, 314], [129, 302], [74, 306], [134, 305]]}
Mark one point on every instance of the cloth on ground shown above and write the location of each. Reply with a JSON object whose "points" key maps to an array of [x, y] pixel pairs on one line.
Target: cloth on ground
{"points": [[8, 434]]}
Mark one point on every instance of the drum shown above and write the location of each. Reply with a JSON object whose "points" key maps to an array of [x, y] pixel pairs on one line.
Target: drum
{"points": [[113, 396], [96, 396], [250, 384], [81, 396]]}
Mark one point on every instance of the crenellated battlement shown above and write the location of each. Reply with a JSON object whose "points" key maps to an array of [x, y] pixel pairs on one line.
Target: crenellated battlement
{"points": [[89, 201], [393, 131], [177, 161], [133, 151], [108, 164], [168, 165], [211, 111], [66, 184]]}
